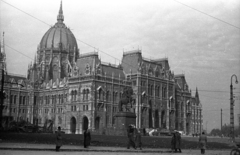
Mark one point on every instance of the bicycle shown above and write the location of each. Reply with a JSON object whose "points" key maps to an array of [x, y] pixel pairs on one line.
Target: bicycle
{"points": [[236, 150]]}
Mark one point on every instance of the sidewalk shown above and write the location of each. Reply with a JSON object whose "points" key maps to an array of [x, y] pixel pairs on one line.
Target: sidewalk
{"points": [[72, 148], [51, 147]]}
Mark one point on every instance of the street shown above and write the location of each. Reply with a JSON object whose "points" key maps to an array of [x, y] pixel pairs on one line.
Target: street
{"points": [[185, 152]]}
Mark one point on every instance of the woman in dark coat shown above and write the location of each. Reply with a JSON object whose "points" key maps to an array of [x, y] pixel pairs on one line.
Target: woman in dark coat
{"points": [[58, 139], [138, 139], [178, 142], [173, 141], [203, 142], [87, 138]]}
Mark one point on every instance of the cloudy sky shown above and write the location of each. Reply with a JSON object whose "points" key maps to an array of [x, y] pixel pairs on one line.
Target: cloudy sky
{"points": [[204, 45]]}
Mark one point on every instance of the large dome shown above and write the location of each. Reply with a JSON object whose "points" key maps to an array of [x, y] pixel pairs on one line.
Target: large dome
{"points": [[57, 34]]}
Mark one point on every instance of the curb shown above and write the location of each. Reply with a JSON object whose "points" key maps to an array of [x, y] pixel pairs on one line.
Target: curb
{"points": [[85, 150]]}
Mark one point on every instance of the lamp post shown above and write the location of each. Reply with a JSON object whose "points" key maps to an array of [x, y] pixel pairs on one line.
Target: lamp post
{"points": [[232, 108], [2, 98]]}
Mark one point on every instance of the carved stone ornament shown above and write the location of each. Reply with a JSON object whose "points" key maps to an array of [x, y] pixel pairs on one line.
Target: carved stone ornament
{"points": [[87, 69], [75, 71]]}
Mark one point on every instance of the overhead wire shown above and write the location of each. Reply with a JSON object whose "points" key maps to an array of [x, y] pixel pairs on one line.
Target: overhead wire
{"points": [[207, 14], [70, 34], [109, 54], [17, 51]]}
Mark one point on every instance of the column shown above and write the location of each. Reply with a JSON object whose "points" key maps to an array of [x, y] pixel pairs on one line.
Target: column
{"points": [[168, 110]]}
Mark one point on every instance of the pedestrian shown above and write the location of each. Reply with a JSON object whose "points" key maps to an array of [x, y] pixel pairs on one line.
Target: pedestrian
{"points": [[173, 141], [130, 134], [138, 139], [178, 142], [87, 138], [144, 132], [203, 142], [58, 139]]}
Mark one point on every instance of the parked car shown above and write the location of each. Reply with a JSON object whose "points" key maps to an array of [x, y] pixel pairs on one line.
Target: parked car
{"points": [[165, 132]]}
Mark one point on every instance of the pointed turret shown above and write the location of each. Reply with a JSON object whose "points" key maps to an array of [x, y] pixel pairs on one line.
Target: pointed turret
{"points": [[3, 55], [60, 17], [196, 95], [35, 60]]}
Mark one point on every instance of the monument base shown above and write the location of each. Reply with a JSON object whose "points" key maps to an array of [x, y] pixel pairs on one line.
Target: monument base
{"points": [[123, 120]]}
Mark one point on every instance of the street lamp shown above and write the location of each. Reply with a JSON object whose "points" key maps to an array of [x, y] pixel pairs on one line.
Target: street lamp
{"points": [[232, 108]]}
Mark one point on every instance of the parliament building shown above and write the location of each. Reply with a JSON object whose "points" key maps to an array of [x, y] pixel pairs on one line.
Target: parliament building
{"points": [[79, 91]]}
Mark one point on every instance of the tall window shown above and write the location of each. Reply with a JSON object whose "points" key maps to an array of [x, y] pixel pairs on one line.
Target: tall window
{"points": [[15, 99], [116, 96], [59, 120], [59, 99], [100, 94], [35, 100], [55, 72], [156, 90], [84, 92], [107, 96], [152, 90], [87, 92], [72, 95], [75, 95], [11, 99], [149, 89], [62, 98]]}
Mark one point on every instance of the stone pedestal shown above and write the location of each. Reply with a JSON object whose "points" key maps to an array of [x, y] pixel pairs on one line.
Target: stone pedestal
{"points": [[122, 121]]}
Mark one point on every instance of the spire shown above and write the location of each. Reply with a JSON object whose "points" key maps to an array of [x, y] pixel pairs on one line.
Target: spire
{"points": [[3, 47], [60, 17], [196, 95], [3, 55]]}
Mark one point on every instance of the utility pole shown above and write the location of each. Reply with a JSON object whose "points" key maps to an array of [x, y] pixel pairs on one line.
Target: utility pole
{"points": [[232, 108], [221, 121]]}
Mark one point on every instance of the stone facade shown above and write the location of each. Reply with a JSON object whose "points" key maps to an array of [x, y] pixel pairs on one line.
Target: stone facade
{"points": [[79, 91]]}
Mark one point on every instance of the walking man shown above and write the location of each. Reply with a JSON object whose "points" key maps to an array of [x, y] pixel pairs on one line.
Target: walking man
{"points": [[203, 142], [87, 138], [58, 139], [131, 137]]}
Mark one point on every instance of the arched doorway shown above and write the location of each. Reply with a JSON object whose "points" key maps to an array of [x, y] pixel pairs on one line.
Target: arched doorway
{"points": [[156, 119], [163, 121], [150, 115], [85, 123], [73, 125], [97, 122]]}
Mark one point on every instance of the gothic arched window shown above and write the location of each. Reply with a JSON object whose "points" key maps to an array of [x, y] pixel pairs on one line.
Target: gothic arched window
{"points": [[87, 92], [107, 96], [55, 72], [83, 94]]}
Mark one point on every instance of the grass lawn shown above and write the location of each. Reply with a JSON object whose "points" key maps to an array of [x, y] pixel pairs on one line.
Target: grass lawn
{"points": [[103, 140]]}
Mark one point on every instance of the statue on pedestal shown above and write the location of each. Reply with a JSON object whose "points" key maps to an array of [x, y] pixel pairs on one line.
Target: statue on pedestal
{"points": [[126, 99]]}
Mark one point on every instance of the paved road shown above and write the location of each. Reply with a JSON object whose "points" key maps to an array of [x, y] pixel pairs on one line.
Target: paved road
{"points": [[185, 152], [49, 149]]}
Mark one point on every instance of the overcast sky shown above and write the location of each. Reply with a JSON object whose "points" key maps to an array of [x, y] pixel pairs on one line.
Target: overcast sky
{"points": [[205, 49]]}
